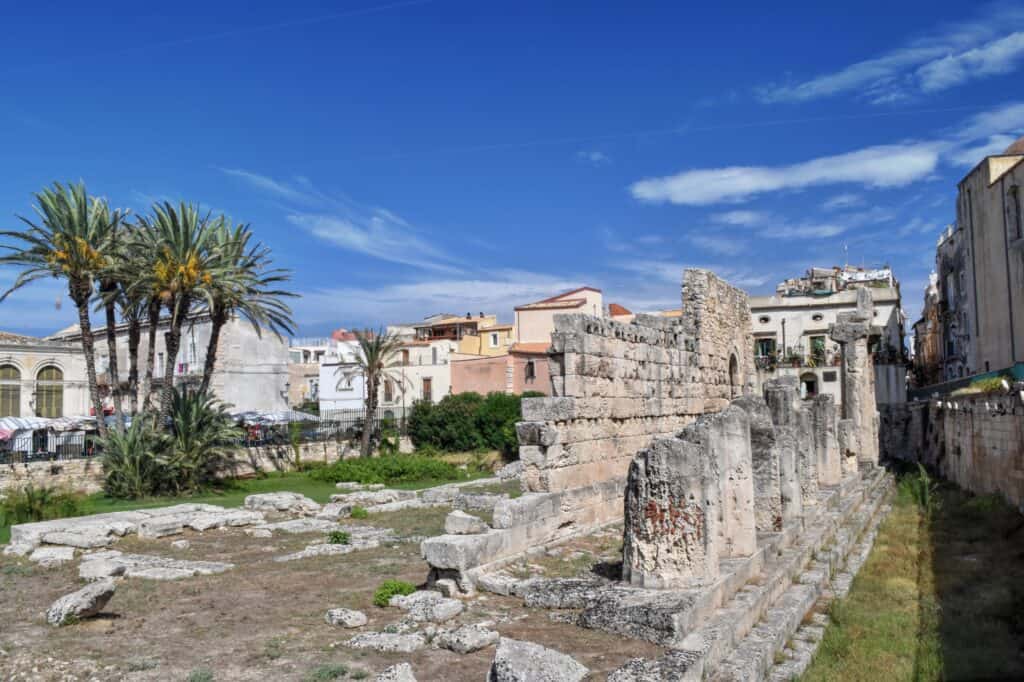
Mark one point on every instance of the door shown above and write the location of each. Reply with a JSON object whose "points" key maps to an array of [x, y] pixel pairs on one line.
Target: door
{"points": [[428, 386]]}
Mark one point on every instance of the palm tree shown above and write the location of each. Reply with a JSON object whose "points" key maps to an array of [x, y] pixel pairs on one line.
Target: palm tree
{"points": [[376, 362], [142, 286], [70, 241], [110, 295], [244, 288], [187, 263]]}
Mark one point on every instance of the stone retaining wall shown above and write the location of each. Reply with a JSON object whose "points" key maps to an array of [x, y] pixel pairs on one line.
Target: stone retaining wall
{"points": [[975, 441]]}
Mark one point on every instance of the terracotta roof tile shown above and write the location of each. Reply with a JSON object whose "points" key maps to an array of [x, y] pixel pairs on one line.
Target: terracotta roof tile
{"points": [[614, 309]]}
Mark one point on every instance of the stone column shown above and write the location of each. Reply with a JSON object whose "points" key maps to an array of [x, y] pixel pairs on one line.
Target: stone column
{"points": [[792, 419], [725, 438], [826, 445], [764, 452], [858, 429], [670, 536]]}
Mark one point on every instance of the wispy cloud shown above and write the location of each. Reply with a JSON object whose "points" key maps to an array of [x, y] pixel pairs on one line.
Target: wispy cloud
{"points": [[672, 272], [724, 246], [744, 218], [949, 56], [593, 157], [880, 166], [369, 230], [842, 201]]}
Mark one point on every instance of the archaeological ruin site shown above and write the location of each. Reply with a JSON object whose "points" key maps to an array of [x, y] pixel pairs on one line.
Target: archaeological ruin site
{"points": [[668, 520]]}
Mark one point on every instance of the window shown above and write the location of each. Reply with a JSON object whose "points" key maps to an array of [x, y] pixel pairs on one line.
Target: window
{"points": [[433, 356], [818, 348], [158, 371], [1013, 218], [829, 377], [389, 391], [428, 389], [764, 319], [817, 317], [765, 348], [530, 371], [50, 392], [494, 339], [405, 357], [10, 391]]}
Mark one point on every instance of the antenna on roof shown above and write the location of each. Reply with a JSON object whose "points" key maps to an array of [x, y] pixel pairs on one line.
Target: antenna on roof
{"points": [[846, 255]]}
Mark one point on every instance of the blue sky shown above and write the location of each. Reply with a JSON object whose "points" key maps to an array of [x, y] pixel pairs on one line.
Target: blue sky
{"points": [[414, 157]]}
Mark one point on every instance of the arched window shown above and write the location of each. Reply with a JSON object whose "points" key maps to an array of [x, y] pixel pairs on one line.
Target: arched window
{"points": [[734, 377], [50, 392], [10, 391]]}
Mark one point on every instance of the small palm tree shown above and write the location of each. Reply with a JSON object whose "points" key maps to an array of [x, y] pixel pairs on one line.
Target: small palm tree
{"points": [[187, 263], [245, 287], [376, 361], [203, 437], [70, 241]]}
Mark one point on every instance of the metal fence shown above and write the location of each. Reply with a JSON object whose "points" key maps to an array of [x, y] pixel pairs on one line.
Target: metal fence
{"points": [[1013, 373], [47, 446]]}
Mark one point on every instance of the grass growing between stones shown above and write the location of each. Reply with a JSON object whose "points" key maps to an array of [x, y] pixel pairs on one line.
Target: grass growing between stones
{"points": [[940, 597]]}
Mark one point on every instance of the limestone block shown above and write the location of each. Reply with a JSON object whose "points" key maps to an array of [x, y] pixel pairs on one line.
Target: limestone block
{"points": [[400, 672], [87, 538], [467, 639], [48, 557], [764, 453], [459, 522], [826, 444], [294, 503], [100, 569], [348, 618], [526, 509], [160, 527], [517, 661], [82, 603], [386, 642]]}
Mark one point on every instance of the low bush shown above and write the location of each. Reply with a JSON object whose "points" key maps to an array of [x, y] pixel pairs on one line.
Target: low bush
{"points": [[339, 537], [389, 470], [328, 671], [389, 588], [468, 421], [33, 503], [358, 513]]}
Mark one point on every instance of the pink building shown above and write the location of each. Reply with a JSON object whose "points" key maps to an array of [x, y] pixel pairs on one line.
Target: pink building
{"points": [[524, 368]]}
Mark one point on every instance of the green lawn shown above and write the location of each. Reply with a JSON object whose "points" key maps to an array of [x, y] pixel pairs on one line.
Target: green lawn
{"points": [[940, 597], [233, 494]]}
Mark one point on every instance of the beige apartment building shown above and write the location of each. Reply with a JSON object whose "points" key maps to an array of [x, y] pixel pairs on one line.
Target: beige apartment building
{"points": [[42, 378]]}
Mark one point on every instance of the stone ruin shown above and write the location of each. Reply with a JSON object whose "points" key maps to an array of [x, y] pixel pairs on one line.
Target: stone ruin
{"points": [[738, 510]]}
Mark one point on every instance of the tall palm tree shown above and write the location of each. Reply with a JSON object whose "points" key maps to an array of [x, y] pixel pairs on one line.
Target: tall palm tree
{"points": [[143, 286], [73, 233], [244, 288], [110, 295], [186, 265], [376, 361]]}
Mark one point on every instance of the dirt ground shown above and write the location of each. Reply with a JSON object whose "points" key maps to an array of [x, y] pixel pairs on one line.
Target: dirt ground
{"points": [[265, 619]]}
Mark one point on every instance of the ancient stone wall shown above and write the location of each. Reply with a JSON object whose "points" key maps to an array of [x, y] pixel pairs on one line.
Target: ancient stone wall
{"points": [[975, 441]]}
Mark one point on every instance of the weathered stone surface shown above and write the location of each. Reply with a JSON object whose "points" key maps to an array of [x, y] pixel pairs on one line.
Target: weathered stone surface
{"points": [[517, 661], [675, 665], [447, 587], [510, 470], [386, 642], [91, 538], [852, 330], [826, 444], [466, 639], [259, 532], [332, 511], [47, 557], [764, 454], [459, 522], [290, 502], [442, 494], [478, 502], [397, 505], [669, 536], [296, 526], [348, 618], [98, 569], [793, 429], [348, 486], [360, 537], [370, 498], [428, 606], [82, 603], [161, 527], [402, 672], [156, 568], [181, 545]]}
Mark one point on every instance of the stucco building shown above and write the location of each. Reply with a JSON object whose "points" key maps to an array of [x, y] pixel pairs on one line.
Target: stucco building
{"points": [[251, 371], [791, 330], [535, 321], [42, 378]]}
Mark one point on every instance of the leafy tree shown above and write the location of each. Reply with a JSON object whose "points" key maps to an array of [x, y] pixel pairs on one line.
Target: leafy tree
{"points": [[202, 438], [376, 361], [71, 240]]}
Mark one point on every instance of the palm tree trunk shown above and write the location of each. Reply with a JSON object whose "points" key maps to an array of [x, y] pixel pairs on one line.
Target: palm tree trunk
{"points": [[134, 338], [147, 379], [80, 295], [371, 410], [114, 377], [217, 321], [172, 340]]}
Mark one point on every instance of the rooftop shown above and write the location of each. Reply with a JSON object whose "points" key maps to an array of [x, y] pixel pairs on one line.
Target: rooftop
{"points": [[560, 301]]}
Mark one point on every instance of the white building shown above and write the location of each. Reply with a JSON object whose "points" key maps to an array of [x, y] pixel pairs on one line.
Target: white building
{"points": [[42, 378], [251, 372], [791, 331]]}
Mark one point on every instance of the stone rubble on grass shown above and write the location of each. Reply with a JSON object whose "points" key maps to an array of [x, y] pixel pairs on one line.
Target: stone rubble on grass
{"points": [[510, 470], [478, 501], [397, 673], [232, 518], [353, 486], [296, 526], [348, 618], [428, 606], [517, 661], [293, 503], [370, 498], [181, 545], [459, 522], [90, 539], [360, 537], [397, 505], [387, 642], [154, 567], [97, 569], [466, 639], [259, 532], [332, 511], [82, 603], [447, 587], [439, 495], [48, 557]]}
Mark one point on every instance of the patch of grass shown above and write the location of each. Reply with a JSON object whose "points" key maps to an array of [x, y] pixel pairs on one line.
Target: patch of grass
{"points": [[140, 663], [328, 671], [200, 675], [390, 588], [511, 488], [273, 649], [938, 597], [359, 513], [359, 675], [339, 537]]}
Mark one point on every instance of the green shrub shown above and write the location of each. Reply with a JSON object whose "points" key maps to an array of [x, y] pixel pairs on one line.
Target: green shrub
{"points": [[496, 421], [467, 421], [33, 503], [145, 461], [329, 671], [200, 675], [358, 513], [920, 489], [389, 588], [339, 537], [388, 470]]}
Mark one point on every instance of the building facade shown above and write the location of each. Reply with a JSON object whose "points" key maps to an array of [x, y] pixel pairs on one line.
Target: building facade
{"points": [[42, 378], [535, 321], [251, 372], [791, 331]]}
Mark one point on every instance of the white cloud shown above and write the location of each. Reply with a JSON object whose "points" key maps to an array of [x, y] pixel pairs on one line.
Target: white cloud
{"points": [[949, 56], [880, 166], [724, 246], [841, 201], [1004, 119], [805, 231], [672, 272], [372, 231], [594, 157], [744, 218], [996, 57], [970, 156]]}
